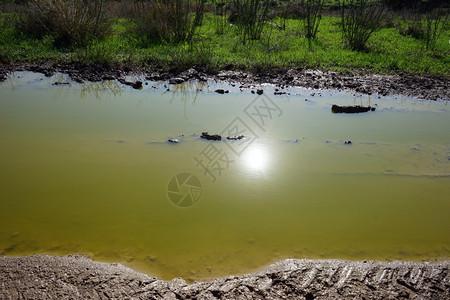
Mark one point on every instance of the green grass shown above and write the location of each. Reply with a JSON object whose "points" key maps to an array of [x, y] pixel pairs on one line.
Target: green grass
{"points": [[388, 51]]}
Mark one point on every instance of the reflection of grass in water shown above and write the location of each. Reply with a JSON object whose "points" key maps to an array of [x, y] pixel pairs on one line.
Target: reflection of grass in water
{"points": [[189, 91], [102, 88], [360, 97], [187, 88]]}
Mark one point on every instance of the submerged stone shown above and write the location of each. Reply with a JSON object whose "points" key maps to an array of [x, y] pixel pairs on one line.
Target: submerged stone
{"points": [[293, 140]]}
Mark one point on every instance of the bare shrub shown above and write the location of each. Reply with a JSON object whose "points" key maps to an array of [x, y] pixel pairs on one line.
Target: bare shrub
{"points": [[424, 23], [288, 9], [68, 22], [435, 21], [312, 14], [250, 17], [359, 19], [411, 24], [220, 15], [120, 9], [168, 20]]}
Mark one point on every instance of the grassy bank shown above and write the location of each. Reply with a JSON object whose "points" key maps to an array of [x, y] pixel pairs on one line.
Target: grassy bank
{"points": [[218, 44]]}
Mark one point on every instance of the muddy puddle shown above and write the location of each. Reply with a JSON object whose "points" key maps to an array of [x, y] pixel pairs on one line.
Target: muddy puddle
{"points": [[86, 168]]}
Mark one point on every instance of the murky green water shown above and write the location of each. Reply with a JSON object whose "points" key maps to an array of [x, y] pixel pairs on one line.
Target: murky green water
{"points": [[86, 169]]}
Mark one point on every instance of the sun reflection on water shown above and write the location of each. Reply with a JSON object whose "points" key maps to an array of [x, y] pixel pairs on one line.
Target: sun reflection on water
{"points": [[256, 158]]}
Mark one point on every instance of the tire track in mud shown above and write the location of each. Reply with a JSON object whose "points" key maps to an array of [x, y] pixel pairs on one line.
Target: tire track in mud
{"points": [[78, 277]]}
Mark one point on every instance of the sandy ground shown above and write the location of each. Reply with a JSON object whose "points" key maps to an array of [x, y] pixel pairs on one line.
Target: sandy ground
{"points": [[78, 277]]}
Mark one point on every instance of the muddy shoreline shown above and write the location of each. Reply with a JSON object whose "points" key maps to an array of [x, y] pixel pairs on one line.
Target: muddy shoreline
{"points": [[78, 277], [422, 87]]}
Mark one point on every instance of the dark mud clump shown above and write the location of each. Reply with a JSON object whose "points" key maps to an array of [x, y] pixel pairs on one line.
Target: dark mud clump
{"points": [[423, 87], [77, 277]]}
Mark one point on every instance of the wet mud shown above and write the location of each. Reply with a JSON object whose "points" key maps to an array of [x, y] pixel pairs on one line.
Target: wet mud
{"points": [[423, 87]]}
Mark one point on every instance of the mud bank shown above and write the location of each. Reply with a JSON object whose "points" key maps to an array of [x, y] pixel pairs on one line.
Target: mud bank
{"points": [[78, 277], [423, 87]]}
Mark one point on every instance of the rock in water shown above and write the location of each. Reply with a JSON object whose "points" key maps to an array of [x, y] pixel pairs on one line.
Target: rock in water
{"points": [[176, 80], [235, 137], [222, 91], [210, 137], [351, 109], [137, 85]]}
